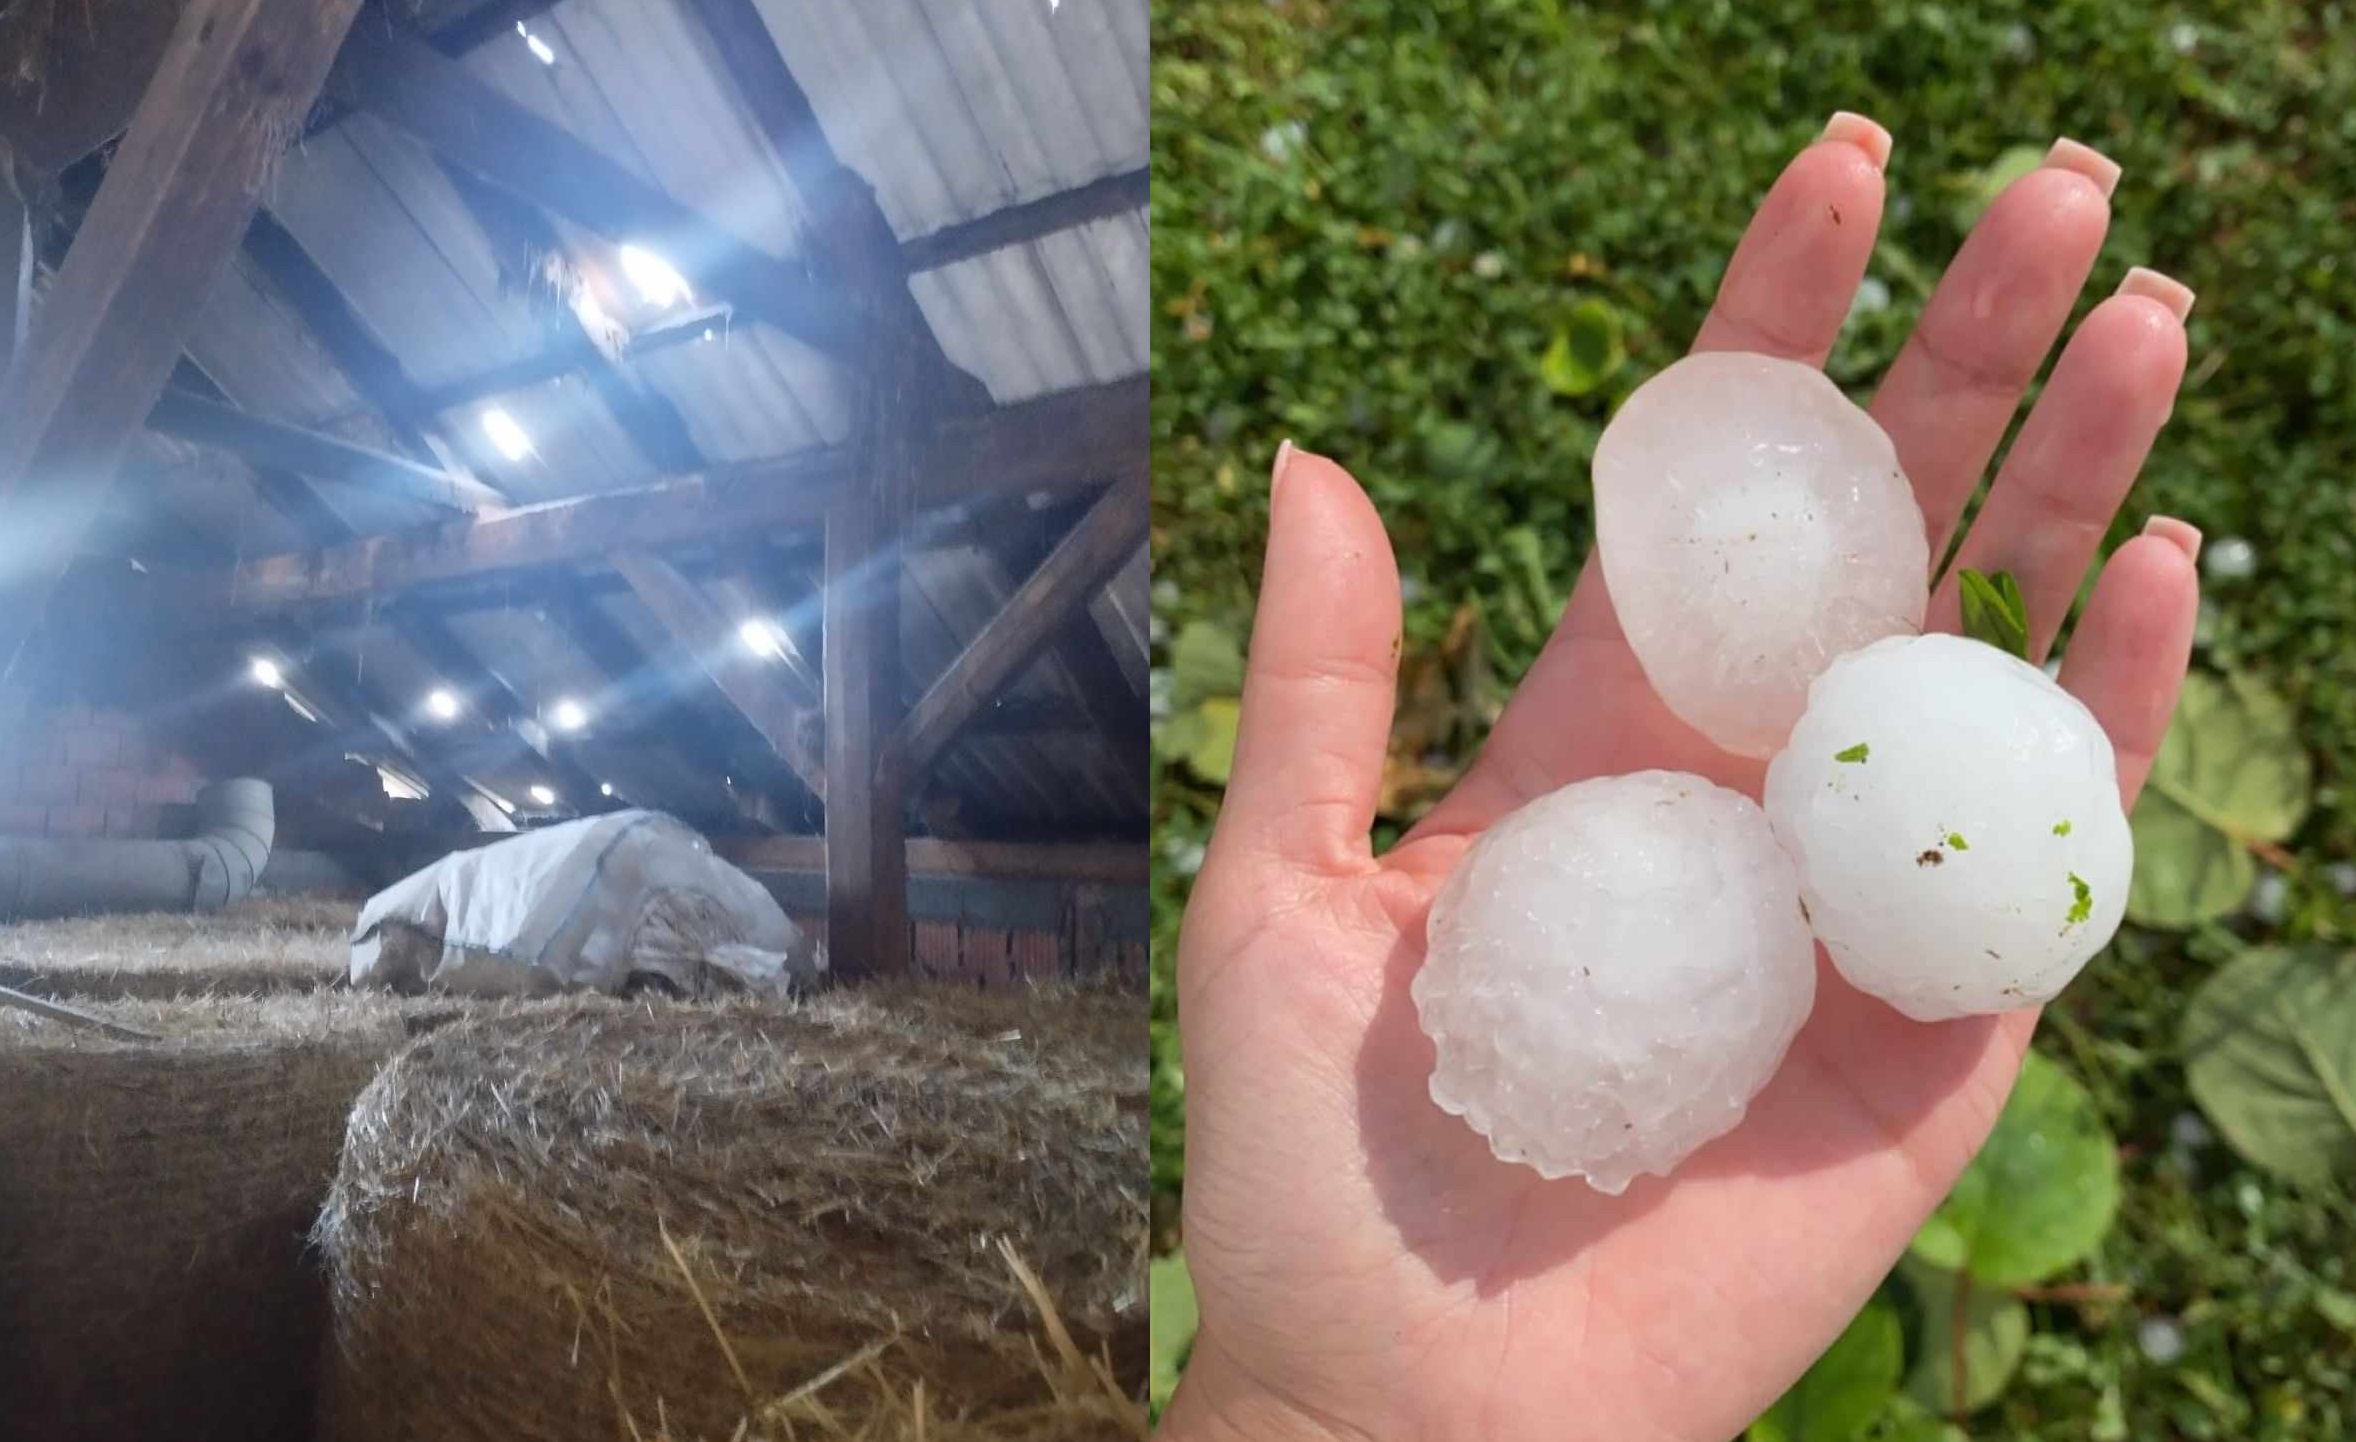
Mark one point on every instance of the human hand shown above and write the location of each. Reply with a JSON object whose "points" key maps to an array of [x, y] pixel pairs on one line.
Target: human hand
{"points": [[1365, 1268]]}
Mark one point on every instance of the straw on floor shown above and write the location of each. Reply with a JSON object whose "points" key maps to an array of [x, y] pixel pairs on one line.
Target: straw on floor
{"points": [[259, 945], [154, 1198], [611, 1220]]}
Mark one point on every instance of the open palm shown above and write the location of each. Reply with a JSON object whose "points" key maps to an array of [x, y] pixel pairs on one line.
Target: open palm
{"points": [[1366, 1269]]}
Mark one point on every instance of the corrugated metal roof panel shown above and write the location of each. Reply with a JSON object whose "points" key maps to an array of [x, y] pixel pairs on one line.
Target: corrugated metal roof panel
{"points": [[955, 108], [382, 220], [258, 352], [1054, 314], [577, 445], [752, 394], [636, 79]]}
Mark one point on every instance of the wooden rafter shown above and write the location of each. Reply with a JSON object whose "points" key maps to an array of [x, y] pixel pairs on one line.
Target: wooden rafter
{"points": [[1032, 220], [316, 454], [1057, 592], [236, 75]]}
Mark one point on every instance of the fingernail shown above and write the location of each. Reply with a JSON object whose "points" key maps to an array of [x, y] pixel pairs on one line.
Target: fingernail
{"points": [[1851, 128], [2068, 154], [2168, 291], [2184, 535], [1284, 460]]}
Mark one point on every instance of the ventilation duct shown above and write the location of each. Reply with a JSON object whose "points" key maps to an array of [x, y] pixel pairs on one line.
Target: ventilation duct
{"points": [[234, 826]]}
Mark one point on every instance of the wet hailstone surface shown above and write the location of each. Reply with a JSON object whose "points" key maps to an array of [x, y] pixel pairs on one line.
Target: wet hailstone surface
{"points": [[1753, 523], [1956, 823], [1614, 971]]}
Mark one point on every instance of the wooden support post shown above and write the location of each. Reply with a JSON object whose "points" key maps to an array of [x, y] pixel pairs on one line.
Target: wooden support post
{"points": [[1056, 593], [233, 87]]}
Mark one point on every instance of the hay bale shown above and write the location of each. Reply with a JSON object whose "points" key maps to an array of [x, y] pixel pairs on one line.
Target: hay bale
{"points": [[258, 946], [545, 1226], [154, 1198]]}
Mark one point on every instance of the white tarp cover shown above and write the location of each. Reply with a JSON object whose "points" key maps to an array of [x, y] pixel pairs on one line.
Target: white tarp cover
{"points": [[598, 904]]}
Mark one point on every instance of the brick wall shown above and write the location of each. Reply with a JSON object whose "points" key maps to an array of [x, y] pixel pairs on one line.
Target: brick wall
{"points": [[77, 771], [1087, 933]]}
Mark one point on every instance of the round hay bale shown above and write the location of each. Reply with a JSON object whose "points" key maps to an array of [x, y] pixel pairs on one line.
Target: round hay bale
{"points": [[154, 1198], [258, 946], [604, 1220]]}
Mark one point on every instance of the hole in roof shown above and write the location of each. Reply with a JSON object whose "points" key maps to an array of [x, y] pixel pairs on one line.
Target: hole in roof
{"points": [[541, 50], [763, 638], [504, 433], [657, 282]]}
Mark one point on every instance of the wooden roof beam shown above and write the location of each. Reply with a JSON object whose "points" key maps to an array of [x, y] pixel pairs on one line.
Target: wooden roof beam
{"points": [[586, 528], [1055, 594], [165, 223], [1031, 220], [315, 454], [1068, 442]]}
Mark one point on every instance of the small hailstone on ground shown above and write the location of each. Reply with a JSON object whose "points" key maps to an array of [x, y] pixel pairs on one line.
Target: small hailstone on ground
{"points": [[1614, 971], [2160, 1338], [1956, 821], [2270, 899], [2229, 558], [1753, 524]]}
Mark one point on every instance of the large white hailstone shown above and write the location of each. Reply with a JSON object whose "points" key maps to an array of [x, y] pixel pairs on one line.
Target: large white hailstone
{"points": [[1753, 524], [1614, 971], [1956, 820]]}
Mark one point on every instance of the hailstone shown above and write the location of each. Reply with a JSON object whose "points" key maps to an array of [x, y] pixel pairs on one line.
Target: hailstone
{"points": [[1614, 971], [1753, 524], [1956, 820]]}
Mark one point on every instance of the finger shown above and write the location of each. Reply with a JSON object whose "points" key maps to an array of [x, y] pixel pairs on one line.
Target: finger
{"points": [[1318, 690], [2078, 453], [1788, 288], [2127, 659], [1996, 313]]}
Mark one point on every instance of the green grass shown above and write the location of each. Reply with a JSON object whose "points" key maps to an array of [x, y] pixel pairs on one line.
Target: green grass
{"points": [[1370, 221]]}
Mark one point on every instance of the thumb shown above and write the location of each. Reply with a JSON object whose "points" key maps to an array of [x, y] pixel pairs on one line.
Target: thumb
{"points": [[1318, 691]]}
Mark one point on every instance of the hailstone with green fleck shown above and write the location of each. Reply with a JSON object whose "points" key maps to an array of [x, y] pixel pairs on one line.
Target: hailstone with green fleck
{"points": [[1614, 971], [1956, 821], [1753, 523]]}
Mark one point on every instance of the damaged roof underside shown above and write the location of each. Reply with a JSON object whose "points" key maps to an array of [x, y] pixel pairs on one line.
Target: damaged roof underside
{"points": [[427, 315]]}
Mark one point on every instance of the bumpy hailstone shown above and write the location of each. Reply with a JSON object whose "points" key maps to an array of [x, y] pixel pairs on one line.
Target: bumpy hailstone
{"points": [[1956, 820], [1753, 524], [1614, 972]]}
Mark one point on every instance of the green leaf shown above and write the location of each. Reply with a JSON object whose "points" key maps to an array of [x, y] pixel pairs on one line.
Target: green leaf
{"points": [[2041, 1194], [1906, 1420], [1205, 737], [1854, 754], [1993, 1328], [2231, 772], [1838, 1398], [2269, 1044], [1588, 350], [1170, 1291], [1994, 611], [1204, 662], [1980, 189]]}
